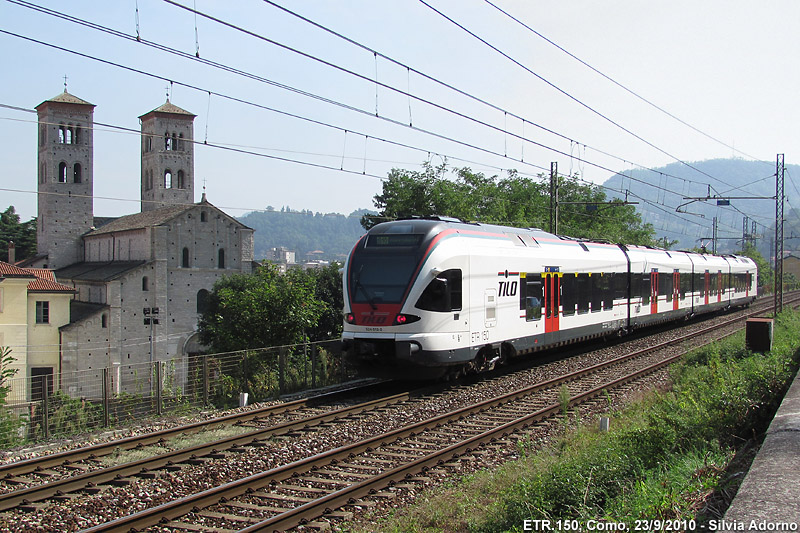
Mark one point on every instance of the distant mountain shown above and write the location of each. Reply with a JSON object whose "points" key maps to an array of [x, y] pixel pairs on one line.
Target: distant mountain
{"points": [[305, 231], [667, 187]]}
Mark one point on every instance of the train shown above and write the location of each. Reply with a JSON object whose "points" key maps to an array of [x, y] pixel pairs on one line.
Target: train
{"points": [[434, 297]]}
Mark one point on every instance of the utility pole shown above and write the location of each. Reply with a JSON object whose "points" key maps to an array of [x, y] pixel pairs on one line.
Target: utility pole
{"points": [[554, 198], [779, 174], [714, 236]]}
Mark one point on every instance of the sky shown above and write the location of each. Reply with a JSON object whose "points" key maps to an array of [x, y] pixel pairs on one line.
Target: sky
{"points": [[294, 116]]}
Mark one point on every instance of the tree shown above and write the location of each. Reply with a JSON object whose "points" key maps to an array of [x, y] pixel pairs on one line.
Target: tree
{"points": [[22, 233], [329, 293], [260, 310], [512, 201]]}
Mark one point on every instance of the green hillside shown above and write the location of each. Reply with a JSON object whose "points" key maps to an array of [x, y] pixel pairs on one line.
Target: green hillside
{"points": [[305, 231]]}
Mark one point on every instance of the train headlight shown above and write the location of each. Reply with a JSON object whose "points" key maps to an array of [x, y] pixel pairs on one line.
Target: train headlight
{"points": [[350, 318], [401, 320]]}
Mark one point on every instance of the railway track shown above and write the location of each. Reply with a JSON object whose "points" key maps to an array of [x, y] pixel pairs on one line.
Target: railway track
{"points": [[65, 472], [291, 494]]}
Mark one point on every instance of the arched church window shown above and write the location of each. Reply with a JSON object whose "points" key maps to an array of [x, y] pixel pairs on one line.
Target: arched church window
{"points": [[185, 258], [62, 134], [202, 300], [168, 179], [68, 138], [76, 173], [221, 258], [180, 142], [203, 216], [181, 184], [62, 172], [145, 283], [77, 138], [104, 320], [167, 141]]}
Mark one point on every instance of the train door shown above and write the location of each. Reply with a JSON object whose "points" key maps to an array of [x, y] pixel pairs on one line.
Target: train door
{"points": [[707, 282], [676, 287], [552, 298], [719, 285], [654, 291]]}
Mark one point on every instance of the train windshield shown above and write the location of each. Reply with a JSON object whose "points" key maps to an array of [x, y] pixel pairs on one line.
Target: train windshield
{"points": [[380, 278]]}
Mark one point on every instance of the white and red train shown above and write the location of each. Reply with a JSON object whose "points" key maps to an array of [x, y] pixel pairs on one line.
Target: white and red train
{"points": [[427, 297]]}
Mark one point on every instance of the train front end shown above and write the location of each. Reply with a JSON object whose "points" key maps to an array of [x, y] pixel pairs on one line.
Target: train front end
{"points": [[402, 306]]}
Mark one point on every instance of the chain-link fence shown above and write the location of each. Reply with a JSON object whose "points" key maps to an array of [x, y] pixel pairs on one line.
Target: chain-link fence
{"points": [[57, 405]]}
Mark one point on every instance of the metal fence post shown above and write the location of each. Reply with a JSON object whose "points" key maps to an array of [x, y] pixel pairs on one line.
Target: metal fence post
{"points": [[159, 387], [282, 369], [314, 350], [45, 408], [205, 380], [106, 398]]}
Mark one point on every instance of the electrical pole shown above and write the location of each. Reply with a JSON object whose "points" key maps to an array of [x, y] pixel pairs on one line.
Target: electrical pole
{"points": [[714, 236], [554, 198], [779, 174]]}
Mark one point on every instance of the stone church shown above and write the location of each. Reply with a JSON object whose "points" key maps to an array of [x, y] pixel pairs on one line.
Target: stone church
{"points": [[140, 280]]}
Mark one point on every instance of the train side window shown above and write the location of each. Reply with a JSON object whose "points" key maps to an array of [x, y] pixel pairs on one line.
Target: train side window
{"points": [[644, 288], [700, 284], [569, 294], [584, 293], [686, 284], [534, 296], [665, 285], [443, 293], [605, 284], [600, 290], [620, 284]]}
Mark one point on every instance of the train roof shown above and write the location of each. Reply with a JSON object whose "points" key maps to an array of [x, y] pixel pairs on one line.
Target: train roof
{"points": [[433, 224]]}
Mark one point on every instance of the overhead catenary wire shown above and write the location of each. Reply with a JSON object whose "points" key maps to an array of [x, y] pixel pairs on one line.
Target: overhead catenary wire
{"points": [[493, 153], [617, 83], [565, 93], [326, 100]]}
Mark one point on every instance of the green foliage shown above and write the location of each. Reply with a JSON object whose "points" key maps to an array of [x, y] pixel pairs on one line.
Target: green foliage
{"points": [[328, 291], [66, 416], [260, 310], [22, 233], [512, 201], [10, 423]]}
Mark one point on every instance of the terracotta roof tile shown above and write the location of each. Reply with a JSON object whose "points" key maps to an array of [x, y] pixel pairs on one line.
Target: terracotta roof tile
{"points": [[45, 285], [44, 273], [8, 270]]}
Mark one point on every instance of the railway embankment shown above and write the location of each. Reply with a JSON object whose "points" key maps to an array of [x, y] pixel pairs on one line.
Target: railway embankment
{"points": [[672, 460]]}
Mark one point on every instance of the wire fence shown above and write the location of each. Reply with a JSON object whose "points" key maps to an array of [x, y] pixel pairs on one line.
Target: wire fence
{"points": [[49, 406]]}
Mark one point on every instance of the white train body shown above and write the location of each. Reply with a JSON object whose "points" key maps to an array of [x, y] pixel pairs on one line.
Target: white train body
{"points": [[426, 296]]}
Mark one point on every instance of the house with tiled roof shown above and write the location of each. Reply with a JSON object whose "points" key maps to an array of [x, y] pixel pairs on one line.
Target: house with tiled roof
{"points": [[139, 280], [33, 308]]}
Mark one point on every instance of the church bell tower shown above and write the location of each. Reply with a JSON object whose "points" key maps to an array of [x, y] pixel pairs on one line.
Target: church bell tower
{"points": [[167, 157], [65, 178]]}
